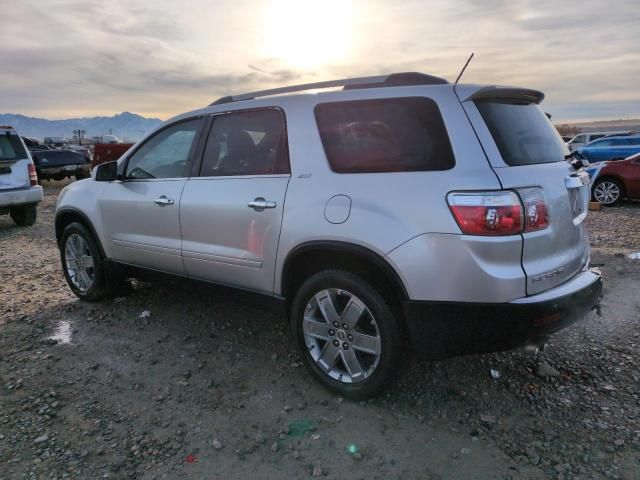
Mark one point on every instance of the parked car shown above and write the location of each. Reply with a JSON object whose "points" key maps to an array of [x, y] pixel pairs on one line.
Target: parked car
{"points": [[19, 189], [57, 163], [582, 139], [618, 180], [399, 205], [85, 151], [610, 148]]}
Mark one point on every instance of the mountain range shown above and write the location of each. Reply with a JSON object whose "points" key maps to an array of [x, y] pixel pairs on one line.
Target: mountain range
{"points": [[125, 125]]}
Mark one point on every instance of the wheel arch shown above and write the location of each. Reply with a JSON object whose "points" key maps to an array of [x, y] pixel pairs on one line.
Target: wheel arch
{"points": [[311, 257], [66, 216]]}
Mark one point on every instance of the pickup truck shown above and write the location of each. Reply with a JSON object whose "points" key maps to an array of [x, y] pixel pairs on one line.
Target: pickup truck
{"points": [[57, 163]]}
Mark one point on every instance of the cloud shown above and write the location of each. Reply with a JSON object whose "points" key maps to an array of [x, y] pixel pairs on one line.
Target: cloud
{"points": [[72, 57]]}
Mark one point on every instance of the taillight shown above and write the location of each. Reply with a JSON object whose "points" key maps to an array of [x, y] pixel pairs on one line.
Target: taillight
{"points": [[33, 176], [536, 209], [487, 213]]}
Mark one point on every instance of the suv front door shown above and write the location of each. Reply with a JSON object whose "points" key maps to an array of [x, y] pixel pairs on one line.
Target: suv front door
{"points": [[140, 214], [231, 213]]}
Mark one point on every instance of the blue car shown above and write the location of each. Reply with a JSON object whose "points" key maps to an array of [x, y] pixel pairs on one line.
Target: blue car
{"points": [[611, 148]]}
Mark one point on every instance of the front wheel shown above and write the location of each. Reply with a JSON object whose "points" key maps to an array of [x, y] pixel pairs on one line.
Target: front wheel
{"points": [[24, 216], [84, 267], [347, 333], [608, 191]]}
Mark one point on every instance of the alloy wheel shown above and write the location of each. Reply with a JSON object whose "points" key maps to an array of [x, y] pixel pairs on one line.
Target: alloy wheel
{"points": [[79, 262], [606, 192], [341, 335]]}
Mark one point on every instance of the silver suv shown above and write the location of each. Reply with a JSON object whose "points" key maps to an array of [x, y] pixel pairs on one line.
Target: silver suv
{"points": [[19, 189], [396, 207]]}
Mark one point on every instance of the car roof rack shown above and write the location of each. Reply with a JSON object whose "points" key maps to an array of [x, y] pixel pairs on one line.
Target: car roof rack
{"points": [[391, 80]]}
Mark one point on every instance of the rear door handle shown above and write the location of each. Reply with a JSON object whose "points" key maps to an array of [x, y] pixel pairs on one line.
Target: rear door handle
{"points": [[259, 204], [163, 201]]}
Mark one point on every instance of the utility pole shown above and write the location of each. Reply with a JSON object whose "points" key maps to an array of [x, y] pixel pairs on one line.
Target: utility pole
{"points": [[79, 133]]}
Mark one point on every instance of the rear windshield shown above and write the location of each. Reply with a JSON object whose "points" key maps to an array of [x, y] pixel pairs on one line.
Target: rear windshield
{"points": [[11, 148], [384, 135], [523, 133]]}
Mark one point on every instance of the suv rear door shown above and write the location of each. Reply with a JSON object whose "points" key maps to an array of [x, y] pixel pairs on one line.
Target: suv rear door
{"points": [[525, 150], [231, 209]]}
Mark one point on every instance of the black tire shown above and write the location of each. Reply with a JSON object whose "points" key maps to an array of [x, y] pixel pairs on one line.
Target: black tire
{"points": [[106, 283], [608, 180], [387, 329], [81, 176], [24, 216]]}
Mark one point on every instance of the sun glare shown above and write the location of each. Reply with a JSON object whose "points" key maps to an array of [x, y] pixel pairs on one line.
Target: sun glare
{"points": [[306, 35]]}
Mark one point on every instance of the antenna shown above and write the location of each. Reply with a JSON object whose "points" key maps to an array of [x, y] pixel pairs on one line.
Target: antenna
{"points": [[464, 68]]}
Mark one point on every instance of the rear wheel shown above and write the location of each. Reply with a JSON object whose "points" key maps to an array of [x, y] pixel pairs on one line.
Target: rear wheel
{"points": [[608, 191], [24, 216], [83, 264], [347, 333]]}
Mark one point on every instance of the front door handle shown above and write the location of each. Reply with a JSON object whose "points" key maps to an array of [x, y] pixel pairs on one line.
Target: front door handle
{"points": [[163, 201], [259, 204]]}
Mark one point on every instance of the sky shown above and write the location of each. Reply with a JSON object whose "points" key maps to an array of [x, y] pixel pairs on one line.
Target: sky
{"points": [[158, 58]]}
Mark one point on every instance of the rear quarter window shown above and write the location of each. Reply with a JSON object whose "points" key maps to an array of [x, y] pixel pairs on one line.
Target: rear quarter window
{"points": [[384, 135], [522, 132]]}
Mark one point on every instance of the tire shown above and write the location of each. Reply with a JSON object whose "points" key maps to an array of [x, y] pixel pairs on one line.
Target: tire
{"points": [[100, 282], [24, 216], [608, 191], [81, 176], [375, 329]]}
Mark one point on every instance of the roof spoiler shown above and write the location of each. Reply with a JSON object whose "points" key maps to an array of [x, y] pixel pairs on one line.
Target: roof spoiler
{"points": [[507, 93]]}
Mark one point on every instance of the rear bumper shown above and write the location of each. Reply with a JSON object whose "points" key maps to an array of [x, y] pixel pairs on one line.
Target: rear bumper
{"points": [[64, 171], [445, 329], [18, 197]]}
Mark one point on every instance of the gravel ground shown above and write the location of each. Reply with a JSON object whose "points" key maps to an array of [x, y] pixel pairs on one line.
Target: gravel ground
{"points": [[207, 386]]}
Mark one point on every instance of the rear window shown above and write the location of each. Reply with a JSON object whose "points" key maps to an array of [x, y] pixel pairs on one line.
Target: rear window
{"points": [[523, 133], [11, 148], [384, 135]]}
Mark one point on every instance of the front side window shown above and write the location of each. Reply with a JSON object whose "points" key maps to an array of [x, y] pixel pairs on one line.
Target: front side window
{"points": [[249, 142], [578, 139], [166, 154], [384, 135]]}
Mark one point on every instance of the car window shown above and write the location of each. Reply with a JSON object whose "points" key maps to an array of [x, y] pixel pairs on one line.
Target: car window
{"points": [[11, 148], [246, 143], [522, 132], [166, 154], [384, 135], [578, 139], [602, 143], [595, 137]]}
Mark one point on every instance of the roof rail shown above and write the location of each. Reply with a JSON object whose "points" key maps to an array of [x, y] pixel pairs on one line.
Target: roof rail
{"points": [[391, 80]]}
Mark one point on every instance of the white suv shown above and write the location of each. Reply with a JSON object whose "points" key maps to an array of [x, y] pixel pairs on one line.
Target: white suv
{"points": [[19, 189], [399, 206]]}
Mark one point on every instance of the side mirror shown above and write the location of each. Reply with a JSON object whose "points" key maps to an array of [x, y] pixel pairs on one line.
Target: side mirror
{"points": [[107, 172]]}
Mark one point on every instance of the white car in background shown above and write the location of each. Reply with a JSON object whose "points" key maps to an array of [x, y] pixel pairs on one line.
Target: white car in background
{"points": [[19, 189]]}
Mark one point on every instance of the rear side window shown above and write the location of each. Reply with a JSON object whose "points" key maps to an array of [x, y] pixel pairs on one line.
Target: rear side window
{"points": [[11, 148], [384, 135], [522, 132], [251, 142]]}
